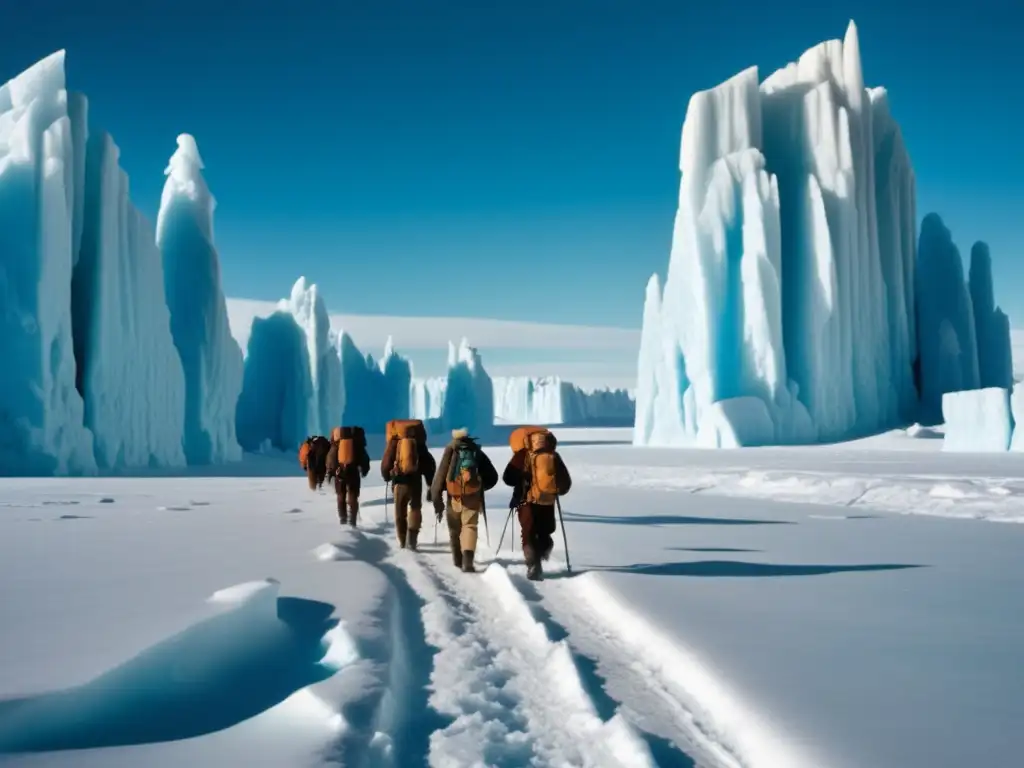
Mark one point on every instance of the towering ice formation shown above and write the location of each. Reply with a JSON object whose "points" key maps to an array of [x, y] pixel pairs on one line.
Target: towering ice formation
{"points": [[426, 397], [373, 394], [278, 395], [310, 312], [199, 323], [469, 393], [995, 355], [786, 314], [946, 332], [550, 400], [41, 412], [129, 371]]}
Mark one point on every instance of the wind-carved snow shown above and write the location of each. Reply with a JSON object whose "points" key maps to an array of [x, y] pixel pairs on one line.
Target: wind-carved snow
{"points": [[209, 354], [550, 400], [792, 275]]}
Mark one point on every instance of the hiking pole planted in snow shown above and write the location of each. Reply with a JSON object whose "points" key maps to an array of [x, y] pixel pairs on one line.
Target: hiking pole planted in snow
{"points": [[565, 541], [487, 528], [505, 528]]}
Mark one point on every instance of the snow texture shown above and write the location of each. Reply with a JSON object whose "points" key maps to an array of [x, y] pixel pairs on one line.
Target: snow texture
{"points": [[977, 420], [550, 400], [210, 356], [792, 274]]}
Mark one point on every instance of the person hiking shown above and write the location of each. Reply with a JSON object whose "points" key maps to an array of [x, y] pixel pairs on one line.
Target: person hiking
{"points": [[406, 464], [465, 472], [348, 462], [538, 476], [313, 459]]}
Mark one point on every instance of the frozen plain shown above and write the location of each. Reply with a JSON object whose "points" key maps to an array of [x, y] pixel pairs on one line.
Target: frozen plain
{"points": [[726, 608]]}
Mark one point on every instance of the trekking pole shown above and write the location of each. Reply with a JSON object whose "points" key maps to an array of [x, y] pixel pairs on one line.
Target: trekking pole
{"points": [[386, 503], [487, 528], [565, 541], [505, 528]]}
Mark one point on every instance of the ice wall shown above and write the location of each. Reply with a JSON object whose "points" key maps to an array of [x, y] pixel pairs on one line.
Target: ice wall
{"points": [[469, 393], [209, 354], [129, 371], [995, 352], [977, 421], [550, 400], [310, 312], [278, 397], [795, 276], [946, 332], [373, 394], [426, 397], [42, 430]]}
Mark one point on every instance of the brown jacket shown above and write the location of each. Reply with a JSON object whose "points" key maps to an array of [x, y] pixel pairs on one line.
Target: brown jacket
{"points": [[488, 474], [426, 462], [516, 476]]}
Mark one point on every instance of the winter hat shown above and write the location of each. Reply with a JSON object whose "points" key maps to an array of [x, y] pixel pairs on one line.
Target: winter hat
{"points": [[457, 434]]}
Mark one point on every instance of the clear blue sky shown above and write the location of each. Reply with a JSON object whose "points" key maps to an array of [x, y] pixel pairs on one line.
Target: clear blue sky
{"points": [[527, 151]]}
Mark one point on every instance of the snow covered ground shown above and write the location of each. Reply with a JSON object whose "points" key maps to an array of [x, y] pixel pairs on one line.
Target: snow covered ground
{"points": [[755, 608]]}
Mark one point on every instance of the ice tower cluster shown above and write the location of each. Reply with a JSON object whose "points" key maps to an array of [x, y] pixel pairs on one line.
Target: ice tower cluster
{"points": [[797, 306], [115, 343]]}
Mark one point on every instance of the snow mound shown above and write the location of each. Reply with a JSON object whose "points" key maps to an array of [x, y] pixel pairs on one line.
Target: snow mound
{"points": [[977, 420], [210, 356]]}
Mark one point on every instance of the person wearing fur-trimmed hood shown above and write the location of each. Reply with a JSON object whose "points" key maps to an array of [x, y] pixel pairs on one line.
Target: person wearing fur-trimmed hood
{"points": [[465, 472]]}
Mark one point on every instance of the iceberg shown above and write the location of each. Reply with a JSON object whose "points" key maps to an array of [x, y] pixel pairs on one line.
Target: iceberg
{"points": [[373, 393], [278, 395], [210, 357], [308, 309], [426, 397], [946, 332], [129, 371], [795, 277], [42, 429], [977, 421], [995, 350], [469, 392], [550, 400]]}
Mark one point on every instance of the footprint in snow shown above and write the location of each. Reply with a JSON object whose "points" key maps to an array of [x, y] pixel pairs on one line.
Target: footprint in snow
{"points": [[199, 503], [75, 517], [60, 503], [173, 509], [106, 500], [294, 511]]}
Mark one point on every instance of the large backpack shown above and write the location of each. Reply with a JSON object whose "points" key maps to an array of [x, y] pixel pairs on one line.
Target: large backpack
{"points": [[541, 463], [410, 434], [464, 471], [349, 441], [304, 451]]}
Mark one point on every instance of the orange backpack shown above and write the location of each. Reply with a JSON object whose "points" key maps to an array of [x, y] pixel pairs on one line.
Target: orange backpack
{"points": [[304, 453], [349, 440], [541, 463], [410, 433]]}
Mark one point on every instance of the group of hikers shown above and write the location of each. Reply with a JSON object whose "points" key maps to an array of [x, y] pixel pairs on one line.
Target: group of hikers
{"points": [[536, 474]]}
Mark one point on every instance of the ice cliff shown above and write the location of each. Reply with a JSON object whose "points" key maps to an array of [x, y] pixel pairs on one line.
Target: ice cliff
{"points": [[798, 306], [210, 356], [550, 400], [92, 378]]}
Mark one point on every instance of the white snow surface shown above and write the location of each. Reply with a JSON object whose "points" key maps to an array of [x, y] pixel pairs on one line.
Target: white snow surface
{"points": [[762, 610], [977, 420], [210, 356]]}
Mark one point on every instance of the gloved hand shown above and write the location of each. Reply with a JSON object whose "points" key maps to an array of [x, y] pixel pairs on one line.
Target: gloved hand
{"points": [[364, 472]]}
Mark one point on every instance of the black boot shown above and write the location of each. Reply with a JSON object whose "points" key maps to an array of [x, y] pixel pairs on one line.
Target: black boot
{"points": [[533, 569], [467, 562], [414, 534], [342, 518], [456, 550]]}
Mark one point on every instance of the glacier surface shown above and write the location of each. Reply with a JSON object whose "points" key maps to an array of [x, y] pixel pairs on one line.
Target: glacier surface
{"points": [[795, 277], [210, 356]]}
